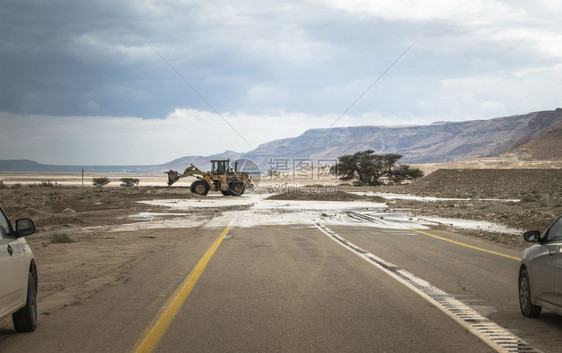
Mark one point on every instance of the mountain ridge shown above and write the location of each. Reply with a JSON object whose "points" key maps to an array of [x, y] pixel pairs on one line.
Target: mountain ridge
{"points": [[448, 141], [434, 143]]}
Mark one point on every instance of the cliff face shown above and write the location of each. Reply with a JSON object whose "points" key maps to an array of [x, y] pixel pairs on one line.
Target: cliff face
{"points": [[441, 142], [547, 146]]}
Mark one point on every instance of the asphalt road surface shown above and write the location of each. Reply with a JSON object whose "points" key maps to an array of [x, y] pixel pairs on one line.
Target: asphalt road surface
{"points": [[295, 289]]}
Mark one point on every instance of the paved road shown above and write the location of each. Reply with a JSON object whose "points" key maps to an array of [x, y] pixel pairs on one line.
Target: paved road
{"points": [[293, 289], [486, 282]]}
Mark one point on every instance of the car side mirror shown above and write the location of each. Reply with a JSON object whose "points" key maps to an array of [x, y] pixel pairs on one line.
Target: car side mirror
{"points": [[532, 236], [25, 227]]}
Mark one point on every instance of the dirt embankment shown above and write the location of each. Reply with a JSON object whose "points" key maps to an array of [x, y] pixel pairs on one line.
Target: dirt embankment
{"points": [[490, 183]]}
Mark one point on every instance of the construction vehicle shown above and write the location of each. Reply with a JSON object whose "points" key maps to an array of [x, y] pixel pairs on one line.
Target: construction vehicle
{"points": [[221, 178]]}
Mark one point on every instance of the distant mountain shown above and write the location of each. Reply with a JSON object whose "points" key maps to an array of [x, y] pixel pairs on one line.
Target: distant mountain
{"points": [[441, 142], [24, 165], [200, 161], [536, 135]]}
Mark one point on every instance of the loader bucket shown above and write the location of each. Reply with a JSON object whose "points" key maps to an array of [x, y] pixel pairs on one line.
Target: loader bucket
{"points": [[173, 176]]}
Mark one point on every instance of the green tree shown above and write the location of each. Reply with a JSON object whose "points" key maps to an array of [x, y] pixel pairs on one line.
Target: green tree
{"points": [[99, 182], [128, 182], [373, 169]]}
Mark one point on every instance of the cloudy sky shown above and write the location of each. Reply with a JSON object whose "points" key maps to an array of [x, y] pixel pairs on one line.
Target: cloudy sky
{"points": [[106, 82]]}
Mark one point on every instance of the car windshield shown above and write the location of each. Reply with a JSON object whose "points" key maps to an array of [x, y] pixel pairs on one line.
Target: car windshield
{"points": [[4, 225], [555, 232]]}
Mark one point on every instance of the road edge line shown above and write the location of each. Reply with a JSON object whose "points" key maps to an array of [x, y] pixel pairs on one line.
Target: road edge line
{"points": [[477, 324]]}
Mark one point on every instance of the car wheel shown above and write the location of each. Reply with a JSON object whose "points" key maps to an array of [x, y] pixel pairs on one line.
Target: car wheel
{"points": [[527, 307], [25, 319]]}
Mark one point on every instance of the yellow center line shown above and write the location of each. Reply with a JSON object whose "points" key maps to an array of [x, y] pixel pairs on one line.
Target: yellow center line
{"points": [[466, 245], [160, 324]]}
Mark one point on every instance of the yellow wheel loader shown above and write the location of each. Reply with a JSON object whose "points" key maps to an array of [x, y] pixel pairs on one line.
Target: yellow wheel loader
{"points": [[221, 178]]}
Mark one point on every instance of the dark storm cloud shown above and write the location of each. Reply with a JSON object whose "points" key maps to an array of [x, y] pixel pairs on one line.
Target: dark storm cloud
{"points": [[80, 57], [93, 58]]}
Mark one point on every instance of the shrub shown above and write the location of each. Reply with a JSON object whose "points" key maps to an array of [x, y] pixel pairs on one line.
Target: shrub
{"points": [[99, 182], [43, 184], [128, 182], [61, 238]]}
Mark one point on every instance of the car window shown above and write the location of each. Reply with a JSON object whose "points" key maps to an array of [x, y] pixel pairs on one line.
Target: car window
{"points": [[5, 228], [555, 232]]}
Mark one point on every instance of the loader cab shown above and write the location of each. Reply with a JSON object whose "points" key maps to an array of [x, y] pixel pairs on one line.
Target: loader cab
{"points": [[220, 167]]}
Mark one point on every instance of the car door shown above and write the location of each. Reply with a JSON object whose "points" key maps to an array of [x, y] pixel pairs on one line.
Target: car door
{"points": [[545, 268], [554, 241], [10, 287], [541, 272]]}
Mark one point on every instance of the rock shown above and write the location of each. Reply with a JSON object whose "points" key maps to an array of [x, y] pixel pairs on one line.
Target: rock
{"points": [[68, 210]]}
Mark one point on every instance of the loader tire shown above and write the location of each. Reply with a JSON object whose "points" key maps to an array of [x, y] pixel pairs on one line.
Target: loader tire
{"points": [[225, 193], [200, 187], [236, 188]]}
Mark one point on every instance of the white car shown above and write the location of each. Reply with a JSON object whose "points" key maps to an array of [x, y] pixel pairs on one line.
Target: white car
{"points": [[540, 272], [18, 274]]}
